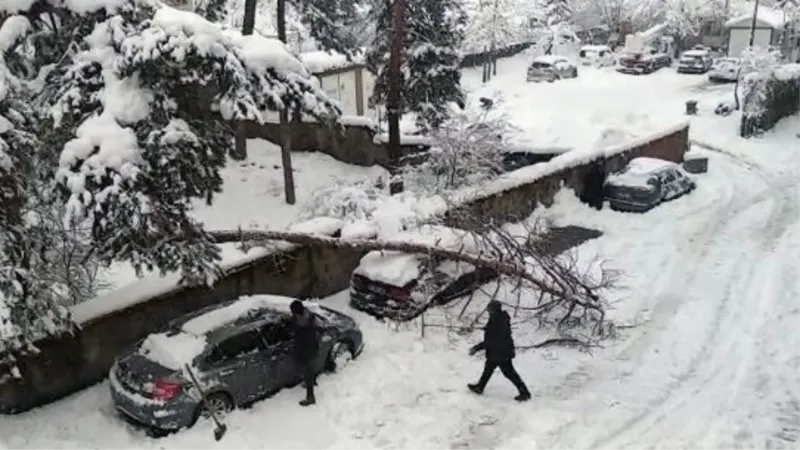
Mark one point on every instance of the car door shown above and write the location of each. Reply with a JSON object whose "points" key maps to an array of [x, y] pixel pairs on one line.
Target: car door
{"points": [[239, 366], [668, 187], [279, 338]]}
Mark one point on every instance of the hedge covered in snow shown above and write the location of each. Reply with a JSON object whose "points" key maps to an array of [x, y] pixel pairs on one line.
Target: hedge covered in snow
{"points": [[769, 98]]}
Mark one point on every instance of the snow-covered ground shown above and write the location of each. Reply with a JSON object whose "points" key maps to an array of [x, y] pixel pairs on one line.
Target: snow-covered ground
{"points": [[253, 195], [711, 357]]}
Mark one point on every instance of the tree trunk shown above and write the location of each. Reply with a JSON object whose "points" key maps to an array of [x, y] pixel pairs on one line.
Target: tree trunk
{"points": [[239, 152], [395, 86], [286, 135]]}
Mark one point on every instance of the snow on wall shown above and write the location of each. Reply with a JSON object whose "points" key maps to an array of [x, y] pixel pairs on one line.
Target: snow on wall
{"points": [[155, 286]]}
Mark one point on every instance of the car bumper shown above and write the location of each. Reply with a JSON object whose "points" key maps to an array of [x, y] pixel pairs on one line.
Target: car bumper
{"points": [[721, 77], [143, 411], [629, 205], [691, 69], [382, 307], [631, 70]]}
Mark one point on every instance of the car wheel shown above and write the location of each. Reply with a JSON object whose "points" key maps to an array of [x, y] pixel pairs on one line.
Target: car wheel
{"points": [[340, 355], [157, 433], [219, 403]]}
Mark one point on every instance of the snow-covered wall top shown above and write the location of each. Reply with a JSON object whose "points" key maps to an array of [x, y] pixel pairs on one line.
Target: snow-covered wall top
{"points": [[321, 61]]}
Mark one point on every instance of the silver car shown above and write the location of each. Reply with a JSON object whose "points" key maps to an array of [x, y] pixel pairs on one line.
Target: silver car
{"points": [[551, 68], [724, 70], [645, 183], [239, 351]]}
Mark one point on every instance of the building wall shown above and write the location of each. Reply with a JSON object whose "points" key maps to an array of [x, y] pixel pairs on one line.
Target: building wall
{"points": [[739, 39]]}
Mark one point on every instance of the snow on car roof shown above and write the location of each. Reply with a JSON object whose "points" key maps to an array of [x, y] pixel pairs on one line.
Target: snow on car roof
{"points": [[695, 53], [645, 166], [596, 48], [174, 350], [228, 314], [549, 59], [398, 268]]}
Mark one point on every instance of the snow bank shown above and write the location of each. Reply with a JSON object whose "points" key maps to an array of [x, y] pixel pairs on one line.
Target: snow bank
{"points": [[323, 61]]}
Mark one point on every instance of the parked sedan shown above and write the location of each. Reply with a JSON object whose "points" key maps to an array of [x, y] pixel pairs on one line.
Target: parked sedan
{"points": [[645, 183], [694, 61], [724, 70], [596, 55], [400, 286], [239, 351], [551, 68], [642, 63]]}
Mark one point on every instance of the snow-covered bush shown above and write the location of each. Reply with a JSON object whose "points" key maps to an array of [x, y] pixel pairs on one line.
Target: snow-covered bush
{"points": [[469, 149], [769, 95], [127, 131], [344, 200]]}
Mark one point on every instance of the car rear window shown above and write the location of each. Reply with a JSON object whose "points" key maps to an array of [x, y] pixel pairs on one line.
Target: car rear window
{"points": [[540, 65]]}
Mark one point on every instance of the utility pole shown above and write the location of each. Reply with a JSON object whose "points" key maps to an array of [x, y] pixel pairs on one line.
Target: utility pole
{"points": [[394, 78], [753, 23], [283, 121], [494, 45]]}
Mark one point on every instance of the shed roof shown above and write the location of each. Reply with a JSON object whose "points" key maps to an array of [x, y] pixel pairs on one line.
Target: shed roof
{"points": [[766, 17]]}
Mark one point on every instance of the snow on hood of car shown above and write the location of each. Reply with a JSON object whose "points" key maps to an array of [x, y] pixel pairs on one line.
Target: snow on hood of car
{"points": [[398, 268]]}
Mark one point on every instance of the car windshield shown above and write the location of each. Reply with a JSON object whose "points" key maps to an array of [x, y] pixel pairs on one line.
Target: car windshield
{"points": [[540, 65]]}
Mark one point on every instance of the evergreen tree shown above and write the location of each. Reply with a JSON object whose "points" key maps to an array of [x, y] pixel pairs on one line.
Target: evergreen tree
{"points": [[136, 99], [432, 78]]}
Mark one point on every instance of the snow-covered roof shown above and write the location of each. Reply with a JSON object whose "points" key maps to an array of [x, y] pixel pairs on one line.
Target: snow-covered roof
{"points": [[596, 48], [771, 17], [549, 59], [693, 53], [323, 61], [398, 268]]}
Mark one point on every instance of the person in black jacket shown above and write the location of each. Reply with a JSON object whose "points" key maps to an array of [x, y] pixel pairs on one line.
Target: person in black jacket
{"points": [[499, 348], [306, 346]]}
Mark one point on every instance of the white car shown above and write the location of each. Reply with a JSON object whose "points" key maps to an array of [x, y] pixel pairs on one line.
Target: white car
{"points": [[724, 70], [596, 55]]}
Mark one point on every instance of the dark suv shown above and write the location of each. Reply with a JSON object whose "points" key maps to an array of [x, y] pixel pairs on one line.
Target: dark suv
{"points": [[239, 351]]}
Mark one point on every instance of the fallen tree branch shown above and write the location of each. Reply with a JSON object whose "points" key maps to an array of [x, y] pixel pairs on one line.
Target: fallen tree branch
{"points": [[559, 341]]}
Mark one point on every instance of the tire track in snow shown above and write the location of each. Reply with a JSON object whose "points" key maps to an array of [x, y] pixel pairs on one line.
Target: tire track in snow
{"points": [[707, 364]]}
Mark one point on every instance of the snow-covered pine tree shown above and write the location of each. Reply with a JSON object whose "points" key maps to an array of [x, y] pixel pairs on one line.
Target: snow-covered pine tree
{"points": [[137, 97], [557, 19], [432, 41]]}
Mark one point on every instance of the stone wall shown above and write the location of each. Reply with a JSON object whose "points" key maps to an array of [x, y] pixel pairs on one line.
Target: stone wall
{"points": [[70, 363]]}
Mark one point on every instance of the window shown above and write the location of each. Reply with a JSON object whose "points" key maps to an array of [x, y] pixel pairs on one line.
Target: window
{"points": [[236, 346], [275, 333]]}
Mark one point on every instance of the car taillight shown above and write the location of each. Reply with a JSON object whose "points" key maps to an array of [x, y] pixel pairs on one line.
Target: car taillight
{"points": [[165, 390], [399, 294]]}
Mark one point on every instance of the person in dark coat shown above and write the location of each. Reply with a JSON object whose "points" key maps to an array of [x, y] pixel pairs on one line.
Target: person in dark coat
{"points": [[499, 348], [306, 346]]}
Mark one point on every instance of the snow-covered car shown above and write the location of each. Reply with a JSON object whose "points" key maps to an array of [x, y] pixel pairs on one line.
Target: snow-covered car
{"points": [[596, 55], [694, 61], [724, 70], [400, 286], [642, 63], [239, 351], [645, 183], [551, 68]]}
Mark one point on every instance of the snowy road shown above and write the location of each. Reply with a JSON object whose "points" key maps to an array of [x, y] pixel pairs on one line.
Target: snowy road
{"points": [[712, 358]]}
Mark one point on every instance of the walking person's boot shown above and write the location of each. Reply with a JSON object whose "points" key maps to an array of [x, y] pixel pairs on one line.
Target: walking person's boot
{"points": [[310, 399], [524, 395], [476, 388]]}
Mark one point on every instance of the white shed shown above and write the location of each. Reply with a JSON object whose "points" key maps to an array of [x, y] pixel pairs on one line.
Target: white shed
{"points": [[348, 82], [767, 32]]}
